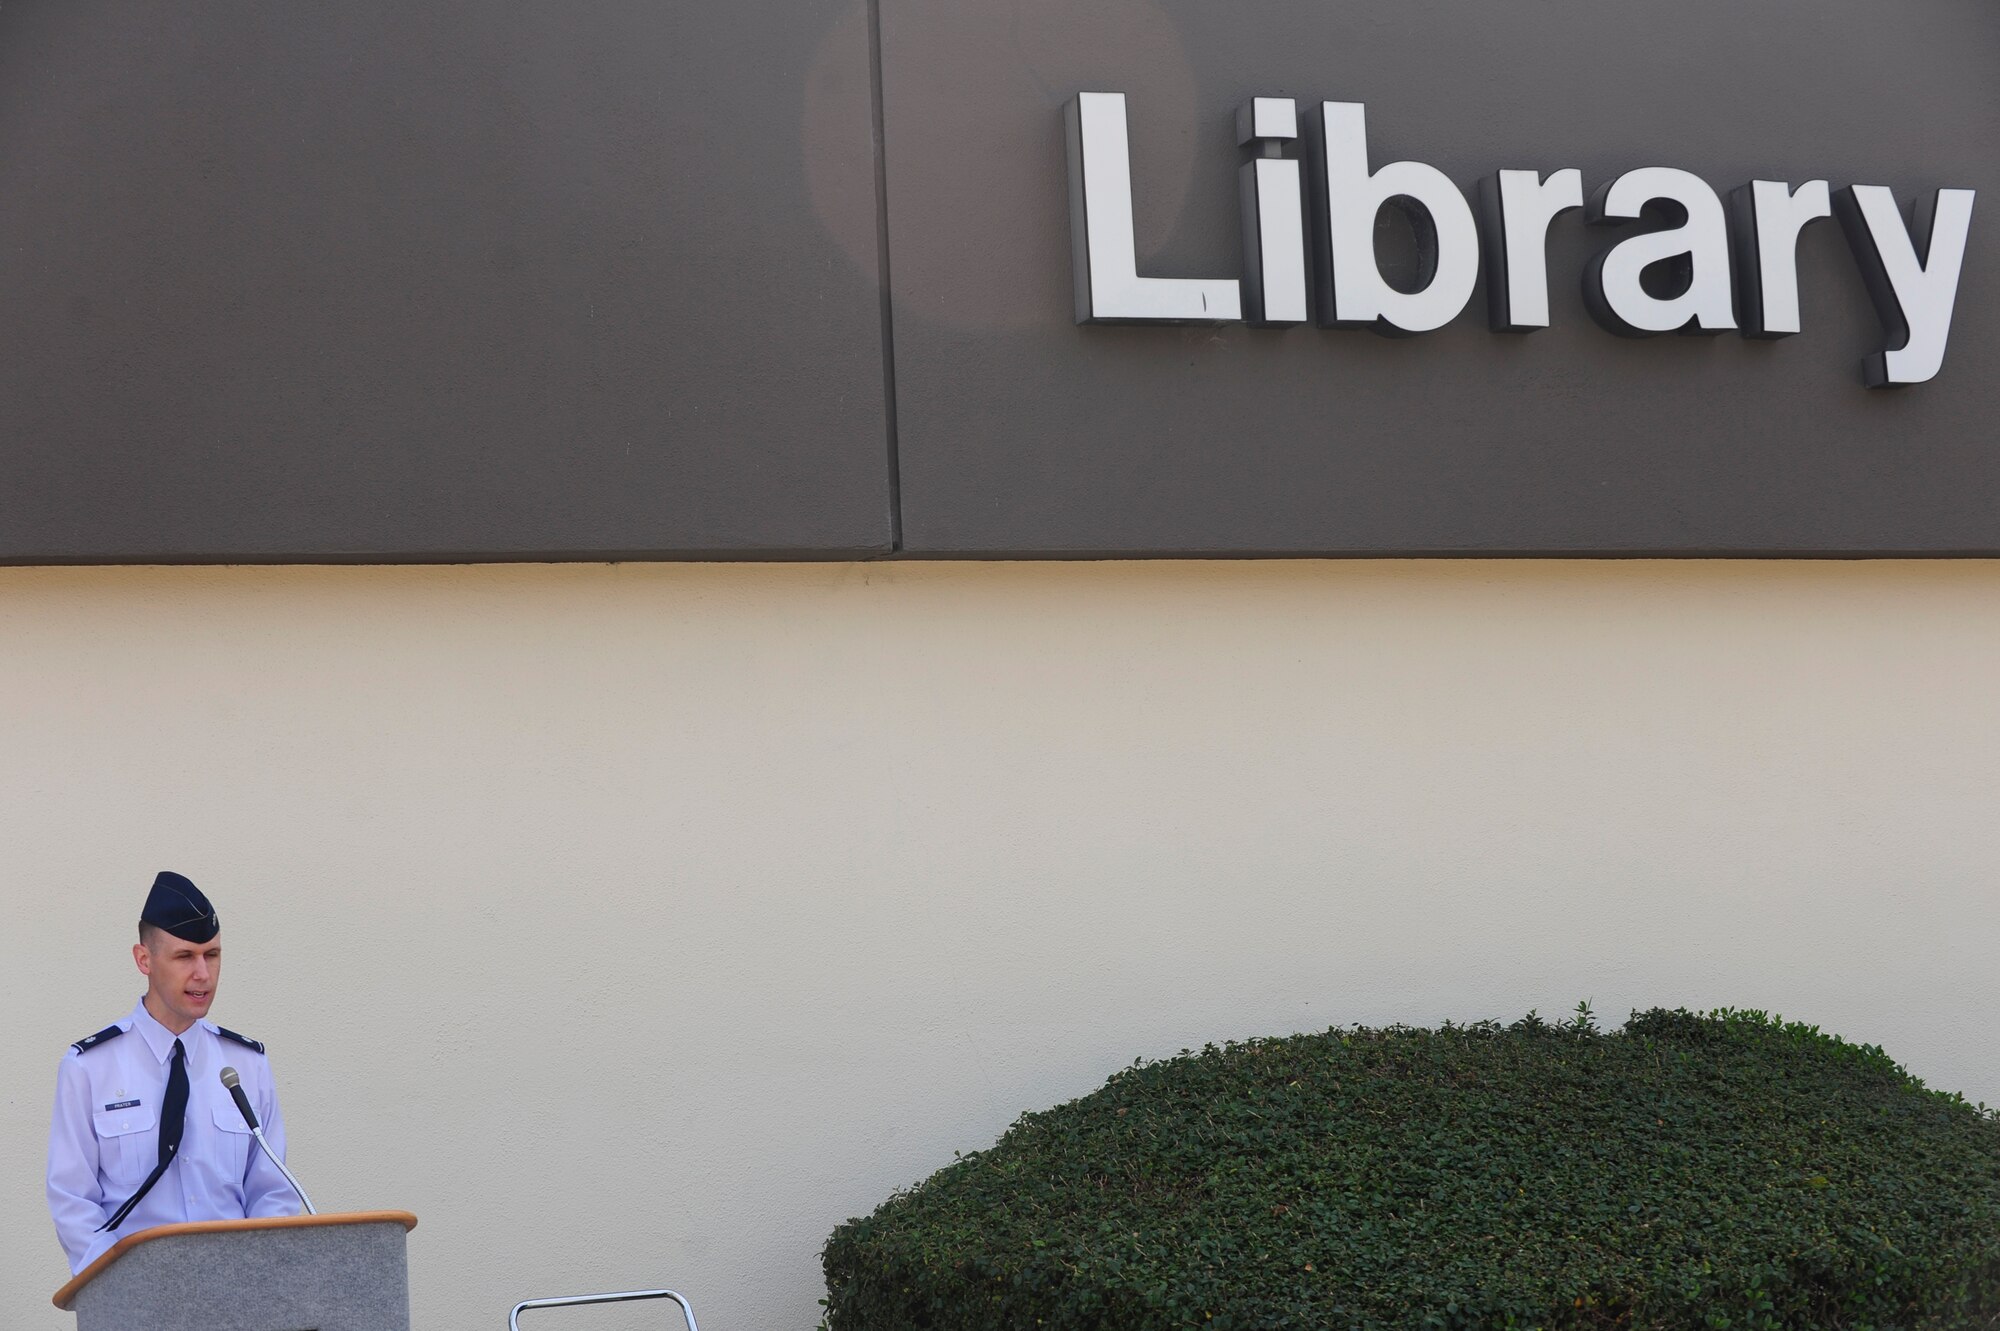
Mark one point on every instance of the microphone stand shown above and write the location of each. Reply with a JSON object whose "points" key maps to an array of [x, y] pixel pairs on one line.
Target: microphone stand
{"points": [[234, 1083], [258, 1133]]}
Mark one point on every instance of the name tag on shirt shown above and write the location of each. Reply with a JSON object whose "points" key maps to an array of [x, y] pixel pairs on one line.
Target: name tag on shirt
{"points": [[122, 1104]]}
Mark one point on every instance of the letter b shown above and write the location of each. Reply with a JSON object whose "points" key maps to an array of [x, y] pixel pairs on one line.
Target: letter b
{"points": [[1351, 289]]}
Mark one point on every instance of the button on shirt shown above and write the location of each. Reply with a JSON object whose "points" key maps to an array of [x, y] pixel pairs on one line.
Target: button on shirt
{"points": [[104, 1138]]}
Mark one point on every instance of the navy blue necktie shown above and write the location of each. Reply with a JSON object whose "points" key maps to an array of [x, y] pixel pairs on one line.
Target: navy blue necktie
{"points": [[173, 1121]]}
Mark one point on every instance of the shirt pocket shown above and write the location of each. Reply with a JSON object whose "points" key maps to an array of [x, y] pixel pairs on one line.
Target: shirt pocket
{"points": [[127, 1144], [229, 1145]]}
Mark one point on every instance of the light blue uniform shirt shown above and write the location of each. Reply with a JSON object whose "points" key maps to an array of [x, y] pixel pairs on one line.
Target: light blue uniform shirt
{"points": [[104, 1137]]}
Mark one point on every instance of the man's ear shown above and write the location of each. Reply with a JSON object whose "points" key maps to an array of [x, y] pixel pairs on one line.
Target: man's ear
{"points": [[143, 958]]}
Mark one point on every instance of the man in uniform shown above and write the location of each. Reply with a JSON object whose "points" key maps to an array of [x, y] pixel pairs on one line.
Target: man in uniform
{"points": [[144, 1133]]}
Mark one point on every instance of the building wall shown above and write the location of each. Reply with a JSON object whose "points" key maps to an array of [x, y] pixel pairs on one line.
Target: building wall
{"points": [[638, 924]]}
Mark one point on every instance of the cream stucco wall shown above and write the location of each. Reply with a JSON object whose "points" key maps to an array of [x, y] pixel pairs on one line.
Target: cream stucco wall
{"points": [[638, 924]]}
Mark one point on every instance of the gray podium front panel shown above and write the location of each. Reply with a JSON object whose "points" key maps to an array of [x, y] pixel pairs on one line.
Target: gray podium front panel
{"points": [[1021, 432], [330, 1278], [426, 279]]}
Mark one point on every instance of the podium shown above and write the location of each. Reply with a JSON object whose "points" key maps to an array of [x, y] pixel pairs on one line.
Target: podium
{"points": [[287, 1273]]}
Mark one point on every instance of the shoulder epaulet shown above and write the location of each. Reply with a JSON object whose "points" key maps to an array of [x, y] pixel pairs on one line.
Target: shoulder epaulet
{"points": [[90, 1042], [243, 1040]]}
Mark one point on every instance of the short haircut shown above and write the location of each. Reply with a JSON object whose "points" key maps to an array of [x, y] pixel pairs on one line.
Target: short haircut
{"points": [[146, 932]]}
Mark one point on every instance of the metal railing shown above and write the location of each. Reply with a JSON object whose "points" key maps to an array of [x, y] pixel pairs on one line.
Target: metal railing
{"points": [[577, 1300]]}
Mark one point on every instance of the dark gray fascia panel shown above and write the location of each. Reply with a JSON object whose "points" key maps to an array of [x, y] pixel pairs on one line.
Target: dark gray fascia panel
{"points": [[415, 281], [1023, 433]]}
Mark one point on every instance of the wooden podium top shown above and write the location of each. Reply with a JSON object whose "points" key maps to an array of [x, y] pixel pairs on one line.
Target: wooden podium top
{"points": [[69, 1292]]}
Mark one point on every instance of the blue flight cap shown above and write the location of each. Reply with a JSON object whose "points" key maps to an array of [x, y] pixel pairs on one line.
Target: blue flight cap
{"points": [[178, 906]]}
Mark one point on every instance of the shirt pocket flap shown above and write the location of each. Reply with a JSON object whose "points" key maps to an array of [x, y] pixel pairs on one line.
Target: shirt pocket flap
{"points": [[123, 1122], [230, 1119]]}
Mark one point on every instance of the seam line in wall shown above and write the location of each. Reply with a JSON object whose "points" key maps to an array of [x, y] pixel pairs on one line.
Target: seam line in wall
{"points": [[882, 271]]}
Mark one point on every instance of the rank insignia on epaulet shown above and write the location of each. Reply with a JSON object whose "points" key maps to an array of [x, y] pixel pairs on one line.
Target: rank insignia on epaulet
{"points": [[243, 1040], [90, 1042]]}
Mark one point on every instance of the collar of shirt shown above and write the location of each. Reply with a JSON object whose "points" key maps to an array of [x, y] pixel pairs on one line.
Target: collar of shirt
{"points": [[157, 1037]]}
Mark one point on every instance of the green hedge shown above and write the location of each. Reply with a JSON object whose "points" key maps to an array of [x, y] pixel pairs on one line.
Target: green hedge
{"points": [[1726, 1171]]}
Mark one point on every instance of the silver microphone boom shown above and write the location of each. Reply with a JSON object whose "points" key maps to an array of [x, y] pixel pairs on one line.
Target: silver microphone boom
{"points": [[235, 1085]]}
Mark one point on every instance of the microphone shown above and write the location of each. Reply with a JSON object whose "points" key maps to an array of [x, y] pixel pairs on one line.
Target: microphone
{"points": [[235, 1085]]}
